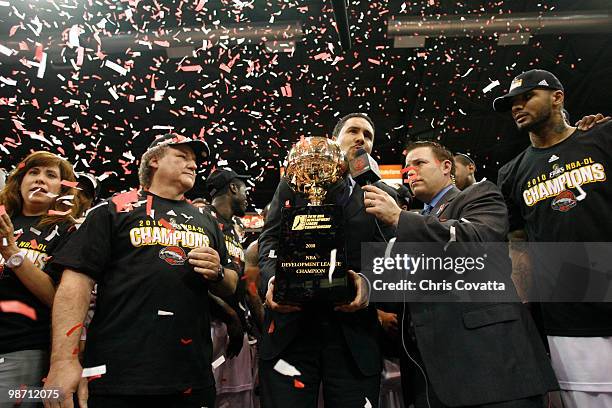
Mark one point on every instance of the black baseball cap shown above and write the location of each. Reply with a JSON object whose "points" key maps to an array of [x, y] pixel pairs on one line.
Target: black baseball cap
{"points": [[468, 158], [221, 178], [89, 183], [200, 148], [536, 78]]}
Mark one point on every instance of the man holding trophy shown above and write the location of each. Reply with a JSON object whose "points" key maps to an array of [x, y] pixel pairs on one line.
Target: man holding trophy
{"points": [[318, 326]]}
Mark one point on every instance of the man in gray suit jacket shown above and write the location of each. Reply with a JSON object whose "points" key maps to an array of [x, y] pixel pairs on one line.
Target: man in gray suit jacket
{"points": [[471, 354]]}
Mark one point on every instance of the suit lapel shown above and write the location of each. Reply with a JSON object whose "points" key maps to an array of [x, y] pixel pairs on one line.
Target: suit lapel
{"points": [[442, 204]]}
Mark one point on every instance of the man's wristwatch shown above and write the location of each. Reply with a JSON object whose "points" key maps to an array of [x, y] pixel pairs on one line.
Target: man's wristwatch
{"points": [[14, 260], [220, 274]]}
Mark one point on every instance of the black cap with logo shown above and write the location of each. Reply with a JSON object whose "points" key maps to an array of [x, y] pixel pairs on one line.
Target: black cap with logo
{"points": [[534, 79], [200, 148], [221, 178]]}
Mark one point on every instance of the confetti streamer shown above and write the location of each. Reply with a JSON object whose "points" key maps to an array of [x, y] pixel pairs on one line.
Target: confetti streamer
{"points": [[15, 306], [218, 362], [489, 87], [94, 371], [73, 329], [164, 313], [285, 368]]}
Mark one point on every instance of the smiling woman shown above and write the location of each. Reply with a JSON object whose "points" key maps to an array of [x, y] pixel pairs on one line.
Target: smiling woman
{"points": [[36, 213]]}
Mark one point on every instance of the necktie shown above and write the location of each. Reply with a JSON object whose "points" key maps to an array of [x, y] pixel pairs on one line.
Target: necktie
{"points": [[427, 209]]}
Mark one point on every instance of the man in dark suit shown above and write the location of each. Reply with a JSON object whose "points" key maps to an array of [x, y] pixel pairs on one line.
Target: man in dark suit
{"points": [[337, 347], [469, 354]]}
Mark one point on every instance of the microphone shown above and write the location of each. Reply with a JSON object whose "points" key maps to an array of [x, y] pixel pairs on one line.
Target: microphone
{"points": [[364, 168], [342, 24]]}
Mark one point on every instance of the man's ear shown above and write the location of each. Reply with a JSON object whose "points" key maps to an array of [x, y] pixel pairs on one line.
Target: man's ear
{"points": [[233, 188], [154, 162], [447, 167], [558, 98], [471, 167]]}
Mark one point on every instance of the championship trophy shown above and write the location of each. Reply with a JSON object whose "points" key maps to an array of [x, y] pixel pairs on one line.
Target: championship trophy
{"points": [[311, 261]]}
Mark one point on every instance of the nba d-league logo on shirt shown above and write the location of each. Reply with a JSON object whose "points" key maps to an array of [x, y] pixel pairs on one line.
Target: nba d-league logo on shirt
{"points": [[557, 184]]}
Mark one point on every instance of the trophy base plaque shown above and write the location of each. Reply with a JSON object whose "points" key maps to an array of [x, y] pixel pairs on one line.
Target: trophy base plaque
{"points": [[311, 261]]}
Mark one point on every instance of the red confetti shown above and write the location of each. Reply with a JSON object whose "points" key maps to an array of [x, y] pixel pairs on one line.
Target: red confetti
{"points": [[252, 288], [149, 204], [166, 224], [69, 332], [186, 341], [67, 183], [93, 377], [271, 328], [297, 383], [15, 306], [124, 200], [34, 244], [187, 391], [55, 212]]}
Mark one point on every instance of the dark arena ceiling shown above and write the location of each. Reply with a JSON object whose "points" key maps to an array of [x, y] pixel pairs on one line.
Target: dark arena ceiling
{"points": [[95, 80]]}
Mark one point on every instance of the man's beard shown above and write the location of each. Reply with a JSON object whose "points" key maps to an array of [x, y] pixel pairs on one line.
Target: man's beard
{"points": [[538, 121], [237, 209]]}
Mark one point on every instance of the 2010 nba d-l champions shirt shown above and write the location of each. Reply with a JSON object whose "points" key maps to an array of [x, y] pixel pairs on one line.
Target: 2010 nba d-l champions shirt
{"points": [[151, 328], [563, 193]]}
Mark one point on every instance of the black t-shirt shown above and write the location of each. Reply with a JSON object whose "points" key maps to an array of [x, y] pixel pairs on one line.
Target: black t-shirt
{"points": [[29, 330], [562, 194], [233, 242], [151, 327]]}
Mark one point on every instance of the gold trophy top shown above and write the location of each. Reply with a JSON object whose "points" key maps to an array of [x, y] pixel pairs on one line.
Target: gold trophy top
{"points": [[313, 165]]}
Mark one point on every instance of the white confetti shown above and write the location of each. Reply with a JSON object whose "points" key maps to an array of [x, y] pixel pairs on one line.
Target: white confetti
{"points": [[332, 264], [285, 368], [8, 81], [115, 67], [218, 362], [491, 86], [368, 404], [171, 212], [582, 195], [66, 197], [34, 231], [7, 51], [164, 313], [34, 192], [113, 93], [73, 36], [272, 254], [93, 371], [467, 73], [42, 66], [52, 234]]}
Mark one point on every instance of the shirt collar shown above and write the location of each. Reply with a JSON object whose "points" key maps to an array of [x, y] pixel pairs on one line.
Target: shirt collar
{"points": [[438, 196]]}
